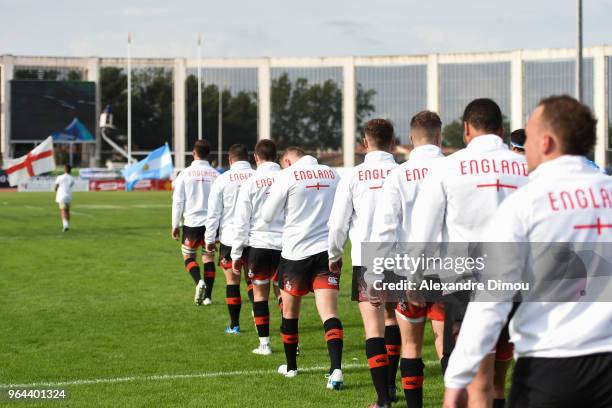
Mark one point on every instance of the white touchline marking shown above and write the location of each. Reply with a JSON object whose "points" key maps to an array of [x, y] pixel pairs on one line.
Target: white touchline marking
{"points": [[81, 214], [161, 377], [32, 207]]}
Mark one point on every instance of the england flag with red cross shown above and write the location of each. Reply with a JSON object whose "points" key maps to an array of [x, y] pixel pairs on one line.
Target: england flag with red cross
{"points": [[38, 161]]}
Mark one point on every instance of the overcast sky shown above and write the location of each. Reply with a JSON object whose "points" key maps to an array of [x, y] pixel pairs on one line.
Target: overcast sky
{"points": [[251, 28]]}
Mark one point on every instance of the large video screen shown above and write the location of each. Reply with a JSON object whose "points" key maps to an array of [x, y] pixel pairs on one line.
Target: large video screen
{"points": [[42, 108]]}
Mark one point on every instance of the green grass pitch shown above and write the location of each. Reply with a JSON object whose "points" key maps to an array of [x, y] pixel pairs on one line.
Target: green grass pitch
{"points": [[110, 301]]}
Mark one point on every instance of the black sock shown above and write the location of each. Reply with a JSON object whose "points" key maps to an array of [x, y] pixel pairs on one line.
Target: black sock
{"points": [[412, 381], [378, 362], [444, 362], [209, 278], [261, 312], [289, 333], [499, 403], [234, 303], [334, 335], [250, 290], [194, 269], [393, 341]]}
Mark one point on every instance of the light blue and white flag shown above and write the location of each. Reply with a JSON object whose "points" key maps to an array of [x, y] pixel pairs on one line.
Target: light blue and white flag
{"points": [[157, 165]]}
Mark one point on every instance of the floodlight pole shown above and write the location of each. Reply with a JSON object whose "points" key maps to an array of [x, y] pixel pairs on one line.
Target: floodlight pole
{"points": [[199, 86], [129, 99], [220, 130], [579, 82]]}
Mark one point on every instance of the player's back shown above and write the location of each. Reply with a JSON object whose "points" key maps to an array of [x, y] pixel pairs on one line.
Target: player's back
{"points": [[263, 234], [310, 196], [360, 189], [472, 182], [406, 180], [226, 188], [193, 186], [64, 183], [566, 201]]}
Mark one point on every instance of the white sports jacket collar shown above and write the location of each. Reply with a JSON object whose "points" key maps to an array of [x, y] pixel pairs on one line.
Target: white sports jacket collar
{"points": [[425, 151]]}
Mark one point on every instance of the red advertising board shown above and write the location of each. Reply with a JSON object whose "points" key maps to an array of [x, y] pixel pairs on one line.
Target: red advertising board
{"points": [[119, 185]]}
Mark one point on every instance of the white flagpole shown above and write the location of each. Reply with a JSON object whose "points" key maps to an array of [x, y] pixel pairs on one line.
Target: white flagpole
{"points": [[579, 61], [129, 99], [199, 87], [220, 131]]}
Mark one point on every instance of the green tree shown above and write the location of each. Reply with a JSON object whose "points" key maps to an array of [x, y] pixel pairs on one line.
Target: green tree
{"points": [[310, 115], [452, 134], [152, 100]]}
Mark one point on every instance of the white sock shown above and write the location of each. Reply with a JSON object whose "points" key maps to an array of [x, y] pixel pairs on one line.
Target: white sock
{"points": [[264, 341], [66, 223]]}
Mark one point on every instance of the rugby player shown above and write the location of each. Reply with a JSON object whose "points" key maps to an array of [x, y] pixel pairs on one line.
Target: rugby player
{"points": [[457, 199], [392, 224], [190, 202], [305, 190], [256, 241], [63, 195], [564, 349], [221, 211], [352, 216]]}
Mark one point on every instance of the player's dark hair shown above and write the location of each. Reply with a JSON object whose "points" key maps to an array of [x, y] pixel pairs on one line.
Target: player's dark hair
{"points": [[67, 168], [427, 121], [379, 132], [202, 148], [298, 151], [572, 122], [517, 138], [238, 152], [484, 114], [265, 149]]}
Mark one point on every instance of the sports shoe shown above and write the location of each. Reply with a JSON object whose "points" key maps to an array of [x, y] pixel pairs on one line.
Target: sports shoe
{"points": [[207, 302], [287, 373], [65, 229], [199, 293], [232, 330], [335, 380], [263, 350], [393, 393]]}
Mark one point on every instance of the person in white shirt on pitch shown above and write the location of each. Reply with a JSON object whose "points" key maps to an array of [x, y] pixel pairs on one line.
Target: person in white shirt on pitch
{"points": [[221, 210], [190, 202], [564, 348], [457, 199], [256, 242], [304, 191], [63, 195], [392, 224], [352, 216]]}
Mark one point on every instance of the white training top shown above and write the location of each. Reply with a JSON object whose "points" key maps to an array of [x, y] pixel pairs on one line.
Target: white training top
{"points": [[65, 183], [305, 191], [222, 202], [249, 226], [563, 194], [358, 193], [394, 207], [191, 190], [463, 190]]}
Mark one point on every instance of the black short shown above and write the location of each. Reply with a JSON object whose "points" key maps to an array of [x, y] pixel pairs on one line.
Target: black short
{"points": [[193, 237], [225, 256], [359, 288], [584, 381], [299, 277], [262, 263]]}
